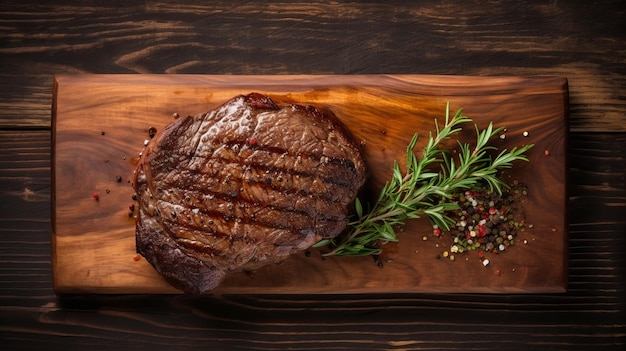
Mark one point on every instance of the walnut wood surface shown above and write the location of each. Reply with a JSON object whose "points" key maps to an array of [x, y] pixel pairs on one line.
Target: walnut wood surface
{"points": [[100, 123], [584, 41]]}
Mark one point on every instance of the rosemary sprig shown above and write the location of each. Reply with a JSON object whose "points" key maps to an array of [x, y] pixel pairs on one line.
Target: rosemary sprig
{"points": [[424, 191]]}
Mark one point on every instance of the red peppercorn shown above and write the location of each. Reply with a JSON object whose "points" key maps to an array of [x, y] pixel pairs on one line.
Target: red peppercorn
{"points": [[437, 231], [131, 207], [492, 211], [481, 230], [481, 254], [498, 272], [137, 257], [95, 196], [252, 141], [546, 152]]}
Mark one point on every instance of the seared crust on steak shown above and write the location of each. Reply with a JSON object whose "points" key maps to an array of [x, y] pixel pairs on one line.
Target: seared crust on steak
{"points": [[246, 184]]}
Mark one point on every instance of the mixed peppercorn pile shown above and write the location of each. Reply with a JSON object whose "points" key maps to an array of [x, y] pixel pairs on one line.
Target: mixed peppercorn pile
{"points": [[486, 220]]}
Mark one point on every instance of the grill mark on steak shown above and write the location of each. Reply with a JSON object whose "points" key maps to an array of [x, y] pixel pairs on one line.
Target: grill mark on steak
{"points": [[261, 183], [252, 192], [194, 245], [208, 216], [251, 156], [271, 183], [201, 220], [240, 186]]}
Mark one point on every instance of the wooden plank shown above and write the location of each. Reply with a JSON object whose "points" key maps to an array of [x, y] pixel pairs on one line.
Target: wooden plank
{"points": [[593, 304], [584, 42], [101, 121], [25, 189]]}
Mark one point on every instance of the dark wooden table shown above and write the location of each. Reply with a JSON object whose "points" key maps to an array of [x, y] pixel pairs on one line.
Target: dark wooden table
{"points": [[581, 40]]}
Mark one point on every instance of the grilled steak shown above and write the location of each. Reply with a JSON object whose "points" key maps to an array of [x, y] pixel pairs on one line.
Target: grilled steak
{"points": [[241, 186]]}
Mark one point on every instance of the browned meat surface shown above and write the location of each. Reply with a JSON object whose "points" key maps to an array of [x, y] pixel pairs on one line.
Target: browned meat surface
{"points": [[241, 186]]}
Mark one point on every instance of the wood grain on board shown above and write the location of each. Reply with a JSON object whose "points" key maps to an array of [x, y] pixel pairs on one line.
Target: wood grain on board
{"points": [[100, 123]]}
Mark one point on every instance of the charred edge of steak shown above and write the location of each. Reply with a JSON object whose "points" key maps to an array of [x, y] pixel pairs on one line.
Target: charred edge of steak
{"points": [[211, 202], [182, 271]]}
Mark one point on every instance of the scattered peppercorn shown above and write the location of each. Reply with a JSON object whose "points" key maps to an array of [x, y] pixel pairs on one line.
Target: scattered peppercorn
{"points": [[152, 132], [436, 231], [102, 133], [137, 257], [95, 196], [118, 179]]}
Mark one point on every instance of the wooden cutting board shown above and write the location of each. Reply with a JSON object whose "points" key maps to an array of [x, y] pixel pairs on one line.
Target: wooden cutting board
{"points": [[100, 123]]}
